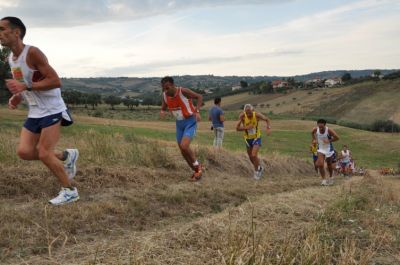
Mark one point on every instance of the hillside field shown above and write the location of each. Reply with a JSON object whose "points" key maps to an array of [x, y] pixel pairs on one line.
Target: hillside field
{"points": [[137, 206], [361, 103]]}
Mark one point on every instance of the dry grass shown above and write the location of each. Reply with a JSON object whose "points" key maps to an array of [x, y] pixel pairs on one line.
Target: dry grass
{"points": [[137, 207]]}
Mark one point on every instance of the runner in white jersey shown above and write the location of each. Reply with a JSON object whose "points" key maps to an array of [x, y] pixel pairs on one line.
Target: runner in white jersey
{"points": [[36, 82], [345, 160], [324, 137]]}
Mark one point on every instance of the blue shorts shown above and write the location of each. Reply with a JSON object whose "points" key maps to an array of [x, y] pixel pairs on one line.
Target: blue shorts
{"points": [[344, 164], [315, 157], [186, 128], [252, 142], [35, 125]]}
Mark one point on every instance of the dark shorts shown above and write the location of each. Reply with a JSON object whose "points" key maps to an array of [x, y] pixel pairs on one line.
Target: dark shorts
{"points": [[331, 159], [252, 142], [315, 158], [35, 125]]}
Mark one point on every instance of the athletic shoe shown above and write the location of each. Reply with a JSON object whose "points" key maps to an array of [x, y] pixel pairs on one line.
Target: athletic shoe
{"points": [[260, 171], [197, 174], [65, 196], [324, 182], [256, 175], [70, 163]]}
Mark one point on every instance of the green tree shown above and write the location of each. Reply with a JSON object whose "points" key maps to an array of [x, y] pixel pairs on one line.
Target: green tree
{"points": [[291, 82], [112, 101], [130, 102], [93, 100], [4, 74], [377, 73], [243, 84], [346, 77]]}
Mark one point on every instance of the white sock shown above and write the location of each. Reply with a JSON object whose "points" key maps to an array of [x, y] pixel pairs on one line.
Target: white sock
{"points": [[196, 163]]}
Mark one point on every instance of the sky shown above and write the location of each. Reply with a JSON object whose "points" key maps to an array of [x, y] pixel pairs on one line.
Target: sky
{"points": [[149, 38]]}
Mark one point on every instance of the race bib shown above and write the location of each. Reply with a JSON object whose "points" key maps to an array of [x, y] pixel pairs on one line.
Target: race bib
{"points": [[30, 99], [252, 131], [17, 74], [178, 114]]}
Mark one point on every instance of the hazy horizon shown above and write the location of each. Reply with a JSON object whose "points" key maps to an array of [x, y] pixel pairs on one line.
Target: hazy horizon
{"points": [[90, 38]]}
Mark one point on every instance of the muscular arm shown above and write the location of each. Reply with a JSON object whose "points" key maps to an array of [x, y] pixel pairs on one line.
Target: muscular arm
{"points": [[334, 135], [38, 61], [264, 118], [190, 94], [163, 104], [313, 137], [238, 125], [164, 107]]}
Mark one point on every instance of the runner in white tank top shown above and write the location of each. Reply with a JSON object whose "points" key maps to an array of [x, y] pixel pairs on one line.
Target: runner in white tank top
{"points": [[345, 160], [324, 137], [41, 103], [35, 81]]}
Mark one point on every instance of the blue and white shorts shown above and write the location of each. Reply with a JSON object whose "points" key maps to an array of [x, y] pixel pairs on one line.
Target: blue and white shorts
{"points": [[35, 125], [186, 128], [252, 142]]}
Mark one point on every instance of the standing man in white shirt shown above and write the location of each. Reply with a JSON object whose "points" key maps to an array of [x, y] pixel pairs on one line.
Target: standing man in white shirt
{"points": [[38, 84]]}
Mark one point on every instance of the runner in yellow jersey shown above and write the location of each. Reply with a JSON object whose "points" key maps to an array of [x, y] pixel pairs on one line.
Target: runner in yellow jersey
{"points": [[314, 151], [249, 124]]}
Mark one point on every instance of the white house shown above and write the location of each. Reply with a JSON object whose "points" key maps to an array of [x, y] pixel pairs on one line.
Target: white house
{"points": [[234, 88], [332, 82]]}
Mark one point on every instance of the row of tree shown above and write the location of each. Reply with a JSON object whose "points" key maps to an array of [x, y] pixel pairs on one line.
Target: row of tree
{"points": [[4, 74], [76, 98]]}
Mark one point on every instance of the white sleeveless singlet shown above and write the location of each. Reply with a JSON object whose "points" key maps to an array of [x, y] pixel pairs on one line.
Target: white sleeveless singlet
{"points": [[324, 148], [41, 103]]}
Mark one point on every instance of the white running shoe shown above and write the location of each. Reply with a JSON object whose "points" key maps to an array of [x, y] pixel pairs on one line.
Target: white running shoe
{"points": [[256, 175], [260, 171], [331, 181], [324, 182], [65, 196], [70, 163]]}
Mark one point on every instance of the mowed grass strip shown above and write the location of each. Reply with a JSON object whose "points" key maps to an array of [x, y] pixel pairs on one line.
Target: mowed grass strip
{"points": [[289, 137]]}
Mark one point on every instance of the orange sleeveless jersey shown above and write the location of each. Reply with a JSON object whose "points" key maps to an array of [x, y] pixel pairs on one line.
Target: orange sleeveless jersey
{"points": [[179, 105]]}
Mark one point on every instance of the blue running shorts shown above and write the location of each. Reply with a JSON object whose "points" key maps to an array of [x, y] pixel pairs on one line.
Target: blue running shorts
{"points": [[186, 128]]}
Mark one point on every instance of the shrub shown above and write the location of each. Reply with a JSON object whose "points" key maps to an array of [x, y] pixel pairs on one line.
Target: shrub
{"points": [[97, 113], [385, 126]]}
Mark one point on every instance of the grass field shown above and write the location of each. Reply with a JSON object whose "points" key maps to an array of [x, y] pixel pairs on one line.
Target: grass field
{"points": [[361, 103], [137, 206]]}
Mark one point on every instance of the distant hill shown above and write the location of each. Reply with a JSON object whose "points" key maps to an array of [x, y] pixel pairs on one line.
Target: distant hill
{"points": [[362, 103], [133, 86]]}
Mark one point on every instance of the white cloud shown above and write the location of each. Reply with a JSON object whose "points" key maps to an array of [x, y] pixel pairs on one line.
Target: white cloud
{"points": [[363, 34], [53, 13]]}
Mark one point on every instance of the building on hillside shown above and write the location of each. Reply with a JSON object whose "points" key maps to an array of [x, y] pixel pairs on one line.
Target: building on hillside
{"points": [[377, 76], [314, 83], [331, 82], [279, 84], [234, 88]]}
